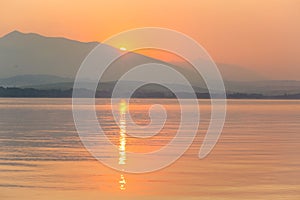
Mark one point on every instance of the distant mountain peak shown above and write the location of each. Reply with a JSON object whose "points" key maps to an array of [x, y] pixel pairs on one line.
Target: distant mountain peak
{"points": [[13, 33], [16, 34], [19, 34]]}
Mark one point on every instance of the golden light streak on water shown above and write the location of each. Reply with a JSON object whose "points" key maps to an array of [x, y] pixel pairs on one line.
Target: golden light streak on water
{"points": [[122, 141]]}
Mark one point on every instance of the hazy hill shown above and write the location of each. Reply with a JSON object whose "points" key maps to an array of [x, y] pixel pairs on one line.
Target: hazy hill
{"points": [[267, 87], [27, 80], [30, 53], [33, 54], [32, 60]]}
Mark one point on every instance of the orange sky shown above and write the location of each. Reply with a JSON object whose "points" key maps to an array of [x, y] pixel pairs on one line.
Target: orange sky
{"points": [[260, 34]]}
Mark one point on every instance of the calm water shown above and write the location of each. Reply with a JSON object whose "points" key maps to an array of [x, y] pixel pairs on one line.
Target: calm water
{"points": [[257, 156]]}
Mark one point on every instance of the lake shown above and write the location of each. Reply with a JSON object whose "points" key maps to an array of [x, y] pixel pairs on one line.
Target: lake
{"points": [[256, 157]]}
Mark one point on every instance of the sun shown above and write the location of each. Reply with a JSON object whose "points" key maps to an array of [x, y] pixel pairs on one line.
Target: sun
{"points": [[123, 49]]}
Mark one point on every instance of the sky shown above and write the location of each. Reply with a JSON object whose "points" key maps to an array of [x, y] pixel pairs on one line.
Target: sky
{"points": [[261, 35]]}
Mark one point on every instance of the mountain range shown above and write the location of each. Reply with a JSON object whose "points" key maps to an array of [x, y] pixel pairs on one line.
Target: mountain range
{"points": [[35, 61]]}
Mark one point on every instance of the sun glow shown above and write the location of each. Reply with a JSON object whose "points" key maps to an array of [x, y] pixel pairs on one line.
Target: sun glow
{"points": [[123, 49]]}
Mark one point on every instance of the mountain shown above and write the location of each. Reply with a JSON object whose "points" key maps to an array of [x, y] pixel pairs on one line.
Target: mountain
{"points": [[33, 54], [267, 87], [32, 60], [231, 72], [30, 53], [272, 87], [28, 80]]}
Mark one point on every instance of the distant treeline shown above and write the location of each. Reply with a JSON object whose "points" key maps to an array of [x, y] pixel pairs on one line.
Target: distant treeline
{"points": [[56, 93], [30, 92]]}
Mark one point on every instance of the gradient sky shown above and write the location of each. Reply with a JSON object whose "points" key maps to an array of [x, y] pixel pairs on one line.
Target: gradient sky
{"points": [[261, 35]]}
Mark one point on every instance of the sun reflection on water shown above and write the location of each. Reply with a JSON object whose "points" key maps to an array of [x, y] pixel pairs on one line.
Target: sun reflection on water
{"points": [[122, 141]]}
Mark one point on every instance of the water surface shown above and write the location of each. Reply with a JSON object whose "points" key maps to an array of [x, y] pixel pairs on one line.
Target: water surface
{"points": [[257, 156]]}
